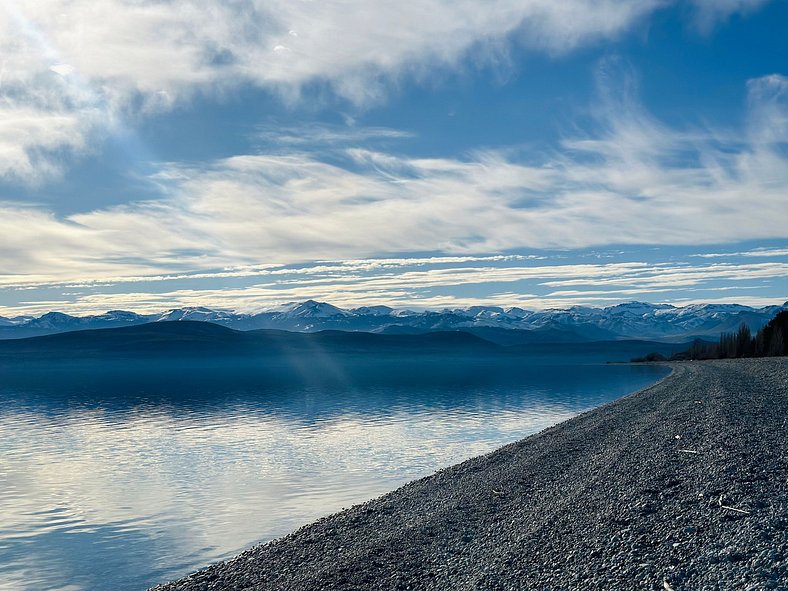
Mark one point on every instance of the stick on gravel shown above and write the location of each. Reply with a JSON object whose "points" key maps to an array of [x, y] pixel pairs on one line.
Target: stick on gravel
{"points": [[602, 501]]}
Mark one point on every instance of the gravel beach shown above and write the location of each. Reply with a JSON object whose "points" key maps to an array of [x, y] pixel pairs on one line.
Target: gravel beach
{"points": [[681, 486]]}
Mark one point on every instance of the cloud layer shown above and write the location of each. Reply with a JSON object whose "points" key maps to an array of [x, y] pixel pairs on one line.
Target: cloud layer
{"points": [[634, 180], [75, 69], [438, 282]]}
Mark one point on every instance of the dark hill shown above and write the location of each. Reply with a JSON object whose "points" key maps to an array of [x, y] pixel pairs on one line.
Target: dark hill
{"points": [[510, 337], [200, 343], [187, 338], [145, 338]]}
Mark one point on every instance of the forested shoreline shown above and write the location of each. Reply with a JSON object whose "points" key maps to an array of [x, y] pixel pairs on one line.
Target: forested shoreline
{"points": [[770, 341]]}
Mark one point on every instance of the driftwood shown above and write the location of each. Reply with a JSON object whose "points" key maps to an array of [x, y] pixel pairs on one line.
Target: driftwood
{"points": [[729, 508]]}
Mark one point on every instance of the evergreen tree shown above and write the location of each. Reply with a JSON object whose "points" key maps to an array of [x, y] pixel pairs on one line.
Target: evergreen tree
{"points": [[771, 339]]}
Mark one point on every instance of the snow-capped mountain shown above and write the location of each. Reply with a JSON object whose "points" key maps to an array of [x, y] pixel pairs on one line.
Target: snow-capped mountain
{"points": [[14, 321], [54, 322], [308, 316], [372, 311], [311, 309], [197, 314], [634, 320]]}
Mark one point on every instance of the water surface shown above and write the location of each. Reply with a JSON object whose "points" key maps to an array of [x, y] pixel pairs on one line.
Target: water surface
{"points": [[117, 480]]}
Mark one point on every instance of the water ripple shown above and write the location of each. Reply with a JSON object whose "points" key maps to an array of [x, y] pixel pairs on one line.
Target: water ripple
{"points": [[117, 488]]}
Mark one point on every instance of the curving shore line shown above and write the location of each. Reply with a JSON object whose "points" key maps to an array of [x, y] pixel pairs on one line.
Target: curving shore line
{"points": [[683, 485]]}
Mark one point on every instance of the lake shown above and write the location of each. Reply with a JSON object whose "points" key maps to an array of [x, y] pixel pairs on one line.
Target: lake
{"points": [[118, 478]]}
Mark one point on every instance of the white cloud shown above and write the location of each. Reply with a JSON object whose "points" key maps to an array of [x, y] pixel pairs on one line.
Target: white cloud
{"points": [[673, 276], [633, 181], [636, 181], [768, 98], [433, 283], [755, 253], [314, 135], [743, 300], [711, 12], [29, 136], [96, 63]]}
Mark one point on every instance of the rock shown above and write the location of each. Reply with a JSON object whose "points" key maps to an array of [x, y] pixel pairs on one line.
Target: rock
{"points": [[600, 501]]}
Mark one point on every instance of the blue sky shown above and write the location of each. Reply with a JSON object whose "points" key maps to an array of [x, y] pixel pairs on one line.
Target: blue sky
{"points": [[417, 154]]}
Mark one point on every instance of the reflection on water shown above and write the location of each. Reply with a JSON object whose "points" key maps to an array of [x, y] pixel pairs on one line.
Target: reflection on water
{"points": [[117, 481]]}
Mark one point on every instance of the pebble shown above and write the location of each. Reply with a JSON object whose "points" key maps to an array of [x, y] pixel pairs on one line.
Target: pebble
{"points": [[569, 493]]}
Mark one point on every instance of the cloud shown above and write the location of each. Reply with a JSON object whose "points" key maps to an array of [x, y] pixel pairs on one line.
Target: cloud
{"points": [[630, 180], [709, 13], [754, 301], [754, 253], [314, 135], [96, 64], [633, 180], [29, 137], [768, 97], [673, 276], [438, 283]]}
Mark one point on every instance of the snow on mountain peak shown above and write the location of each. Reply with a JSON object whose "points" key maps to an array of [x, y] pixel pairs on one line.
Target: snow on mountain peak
{"points": [[194, 313], [120, 315], [626, 320], [373, 311], [516, 312], [16, 320], [312, 309]]}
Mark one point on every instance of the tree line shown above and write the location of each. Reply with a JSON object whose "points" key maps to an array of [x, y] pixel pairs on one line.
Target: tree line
{"points": [[770, 341]]}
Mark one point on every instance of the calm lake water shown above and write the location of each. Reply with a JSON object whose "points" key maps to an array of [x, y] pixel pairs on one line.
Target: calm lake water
{"points": [[118, 480]]}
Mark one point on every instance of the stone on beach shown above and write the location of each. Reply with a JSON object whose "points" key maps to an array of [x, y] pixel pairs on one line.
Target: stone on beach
{"points": [[611, 499]]}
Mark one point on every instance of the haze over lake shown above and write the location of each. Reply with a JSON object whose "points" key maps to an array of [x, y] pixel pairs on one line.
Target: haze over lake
{"points": [[117, 480]]}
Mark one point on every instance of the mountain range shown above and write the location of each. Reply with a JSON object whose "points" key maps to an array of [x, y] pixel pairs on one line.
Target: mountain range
{"points": [[506, 326], [277, 355]]}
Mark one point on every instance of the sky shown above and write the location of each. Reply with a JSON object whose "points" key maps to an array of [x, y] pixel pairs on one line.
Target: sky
{"points": [[239, 154]]}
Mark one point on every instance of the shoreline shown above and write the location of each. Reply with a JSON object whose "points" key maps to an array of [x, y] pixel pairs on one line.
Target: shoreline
{"points": [[676, 485]]}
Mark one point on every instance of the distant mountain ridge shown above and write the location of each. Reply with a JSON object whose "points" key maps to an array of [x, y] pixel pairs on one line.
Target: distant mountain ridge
{"points": [[200, 338], [176, 346], [634, 320]]}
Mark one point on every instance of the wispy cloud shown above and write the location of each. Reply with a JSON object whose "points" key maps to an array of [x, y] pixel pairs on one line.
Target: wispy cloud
{"points": [[431, 282], [674, 276], [315, 135], [81, 67], [630, 180], [30, 137], [754, 253], [708, 13]]}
